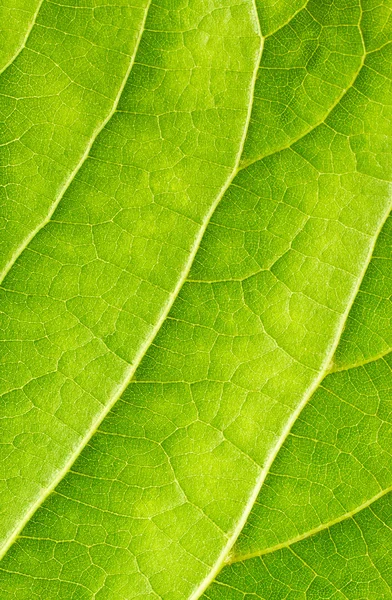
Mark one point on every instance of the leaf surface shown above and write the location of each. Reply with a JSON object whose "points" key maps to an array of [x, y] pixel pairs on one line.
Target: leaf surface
{"points": [[58, 88], [196, 346], [337, 458], [17, 18], [351, 560], [368, 331], [89, 290]]}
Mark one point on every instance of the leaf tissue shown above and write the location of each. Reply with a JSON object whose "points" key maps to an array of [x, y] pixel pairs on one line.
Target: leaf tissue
{"points": [[195, 299]]}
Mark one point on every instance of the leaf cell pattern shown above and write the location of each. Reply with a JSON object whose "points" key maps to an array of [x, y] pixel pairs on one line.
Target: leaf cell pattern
{"points": [[196, 299]]}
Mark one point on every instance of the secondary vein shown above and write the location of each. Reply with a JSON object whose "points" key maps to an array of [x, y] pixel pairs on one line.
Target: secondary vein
{"points": [[311, 532]]}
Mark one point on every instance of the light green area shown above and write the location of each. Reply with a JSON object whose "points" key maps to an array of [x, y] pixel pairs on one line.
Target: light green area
{"points": [[350, 561], [337, 457], [274, 14], [54, 97], [16, 20], [306, 68], [368, 331], [85, 298], [231, 285]]}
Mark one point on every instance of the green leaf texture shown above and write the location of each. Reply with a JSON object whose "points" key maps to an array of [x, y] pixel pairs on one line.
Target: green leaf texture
{"points": [[196, 316]]}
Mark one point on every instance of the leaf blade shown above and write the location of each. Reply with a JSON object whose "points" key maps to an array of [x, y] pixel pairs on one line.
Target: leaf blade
{"points": [[19, 20], [325, 565], [194, 447], [55, 99], [156, 480], [304, 74], [335, 461], [87, 361]]}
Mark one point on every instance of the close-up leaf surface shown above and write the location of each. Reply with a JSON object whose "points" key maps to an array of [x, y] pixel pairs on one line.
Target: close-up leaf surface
{"points": [[196, 299], [17, 18]]}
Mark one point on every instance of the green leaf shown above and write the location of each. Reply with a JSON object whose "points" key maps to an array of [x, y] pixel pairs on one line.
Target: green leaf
{"points": [[16, 20], [196, 300], [307, 66], [96, 277], [368, 331], [351, 559], [337, 458]]}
